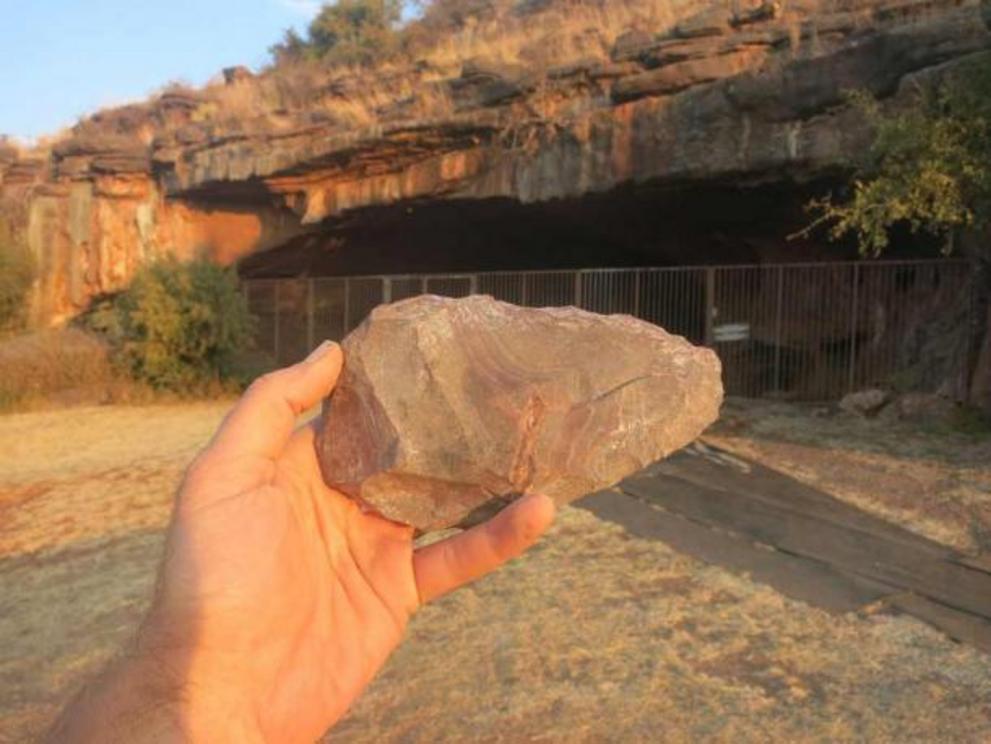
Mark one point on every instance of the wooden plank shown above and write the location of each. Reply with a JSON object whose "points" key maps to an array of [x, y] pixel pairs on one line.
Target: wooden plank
{"points": [[711, 468], [870, 556], [980, 562], [800, 578], [961, 626]]}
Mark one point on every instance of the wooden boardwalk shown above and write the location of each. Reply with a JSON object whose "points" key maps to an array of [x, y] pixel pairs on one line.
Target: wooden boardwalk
{"points": [[805, 543]]}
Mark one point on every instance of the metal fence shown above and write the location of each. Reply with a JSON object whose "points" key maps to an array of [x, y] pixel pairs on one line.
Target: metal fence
{"points": [[811, 331]]}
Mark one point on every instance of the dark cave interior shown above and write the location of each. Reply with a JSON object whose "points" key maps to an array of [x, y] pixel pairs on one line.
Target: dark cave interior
{"points": [[634, 225]]}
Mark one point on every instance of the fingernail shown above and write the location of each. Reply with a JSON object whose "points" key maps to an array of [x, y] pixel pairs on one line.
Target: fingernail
{"points": [[320, 352]]}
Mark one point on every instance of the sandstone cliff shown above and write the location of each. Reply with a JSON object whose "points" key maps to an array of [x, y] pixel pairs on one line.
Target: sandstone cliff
{"points": [[545, 99]]}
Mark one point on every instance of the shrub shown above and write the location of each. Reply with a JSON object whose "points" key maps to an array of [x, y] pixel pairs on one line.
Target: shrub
{"points": [[179, 326], [16, 277], [348, 32], [929, 166]]}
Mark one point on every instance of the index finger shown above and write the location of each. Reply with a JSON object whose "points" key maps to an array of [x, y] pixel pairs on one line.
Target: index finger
{"points": [[262, 421], [448, 564]]}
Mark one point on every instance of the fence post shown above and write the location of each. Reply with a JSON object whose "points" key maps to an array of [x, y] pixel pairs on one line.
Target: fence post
{"points": [[473, 284], [309, 314], [710, 303], [851, 376], [347, 306], [523, 297], [275, 335], [578, 288], [386, 290], [636, 294], [778, 318]]}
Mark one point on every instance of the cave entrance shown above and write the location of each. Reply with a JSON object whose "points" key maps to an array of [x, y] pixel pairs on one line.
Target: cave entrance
{"points": [[642, 225], [791, 318]]}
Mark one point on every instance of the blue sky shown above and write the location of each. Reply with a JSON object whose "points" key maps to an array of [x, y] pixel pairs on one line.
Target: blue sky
{"points": [[65, 58]]}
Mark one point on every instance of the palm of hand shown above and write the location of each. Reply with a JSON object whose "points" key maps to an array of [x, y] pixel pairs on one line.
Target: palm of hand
{"points": [[281, 596], [299, 596]]}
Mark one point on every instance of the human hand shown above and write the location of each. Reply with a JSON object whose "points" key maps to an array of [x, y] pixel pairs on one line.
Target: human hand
{"points": [[278, 598]]}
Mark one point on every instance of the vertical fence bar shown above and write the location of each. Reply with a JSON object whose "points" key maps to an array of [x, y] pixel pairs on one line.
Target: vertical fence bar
{"points": [[578, 288], [309, 314], [710, 303], [278, 283], [778, 318], [347, 306], [854, 327], [386, 290]]}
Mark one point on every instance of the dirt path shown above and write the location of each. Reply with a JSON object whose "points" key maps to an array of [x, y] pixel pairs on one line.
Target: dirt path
{"points": [[595, 635]]}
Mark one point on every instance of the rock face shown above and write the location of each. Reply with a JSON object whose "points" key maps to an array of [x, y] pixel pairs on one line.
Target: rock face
{"points": [[448, 405], [703, 91]]}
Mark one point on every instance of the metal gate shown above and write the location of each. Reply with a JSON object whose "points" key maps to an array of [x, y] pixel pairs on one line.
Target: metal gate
{"points": [[811, 331]]}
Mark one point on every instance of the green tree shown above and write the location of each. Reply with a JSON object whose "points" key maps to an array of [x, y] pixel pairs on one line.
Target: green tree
{"points": [[352, 32], [929, 166], [179, 326], [17, 272]]}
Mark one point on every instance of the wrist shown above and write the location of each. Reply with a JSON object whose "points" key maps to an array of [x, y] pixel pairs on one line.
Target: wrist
{"points": [[128, 701], [151, 695], [204, 692]]}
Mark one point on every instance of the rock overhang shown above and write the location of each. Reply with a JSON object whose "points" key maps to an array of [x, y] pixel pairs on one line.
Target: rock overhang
{"points": [[719, 97]]}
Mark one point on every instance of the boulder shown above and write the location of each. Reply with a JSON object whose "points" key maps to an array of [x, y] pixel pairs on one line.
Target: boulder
{"points": [[448, 409], [759, 12], [630, 44], [865, 403], [925, 408], [485, 82], [708, 23]]}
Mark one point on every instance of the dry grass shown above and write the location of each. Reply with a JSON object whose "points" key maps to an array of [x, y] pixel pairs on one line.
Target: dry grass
{"points": [[598, 636], [565, 31], [354, 97], [56, 368], [436, 49], [561, 32], [34, 366], [595, 635]]}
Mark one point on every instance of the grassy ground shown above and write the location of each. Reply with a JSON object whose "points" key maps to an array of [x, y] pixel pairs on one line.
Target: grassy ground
{"points": [[595, 635]]}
